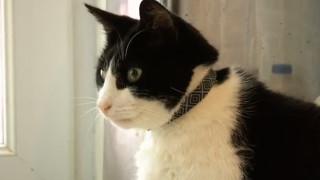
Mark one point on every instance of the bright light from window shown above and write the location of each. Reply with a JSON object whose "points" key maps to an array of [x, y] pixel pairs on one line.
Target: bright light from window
{"points": [[2, 77], [130, 8]]}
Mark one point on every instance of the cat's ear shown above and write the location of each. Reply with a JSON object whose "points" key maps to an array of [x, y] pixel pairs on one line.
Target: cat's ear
{"points": [[114, 25], [154, 16]]}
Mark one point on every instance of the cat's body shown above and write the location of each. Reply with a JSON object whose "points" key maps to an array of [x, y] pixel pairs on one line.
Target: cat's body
{"points": [[198, 145], [239, 130]]}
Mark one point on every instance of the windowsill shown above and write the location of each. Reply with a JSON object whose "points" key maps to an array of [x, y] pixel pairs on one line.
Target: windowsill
{"points": [[5, 151]]}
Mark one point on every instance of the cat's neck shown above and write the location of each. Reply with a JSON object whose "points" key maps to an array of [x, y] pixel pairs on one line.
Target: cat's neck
{"points": [[206, 129], [198, 74], [218, 107]]}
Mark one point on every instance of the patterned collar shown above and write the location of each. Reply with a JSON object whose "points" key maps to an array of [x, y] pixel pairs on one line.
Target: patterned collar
{"points": [[197, 94]]}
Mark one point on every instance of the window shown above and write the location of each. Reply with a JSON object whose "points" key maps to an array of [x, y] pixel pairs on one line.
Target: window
{"points": [[2, 78], [130, 8], [41, 138], [6, 81]]}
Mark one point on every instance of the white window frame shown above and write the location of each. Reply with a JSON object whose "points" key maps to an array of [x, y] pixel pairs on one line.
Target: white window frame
{"points": [[83, 154], [9, 120]]}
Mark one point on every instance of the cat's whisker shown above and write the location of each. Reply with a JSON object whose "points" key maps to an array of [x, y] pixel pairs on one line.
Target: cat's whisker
{"points": [[138, 117], [177, 90], [150, 112], [102, 120], [83, 104], [131, 40], [98, 115], [155, 114], [120, 50], [121, 44], [143, 108], [93, 124], [84, 98], [89, 111], [123, 111]]}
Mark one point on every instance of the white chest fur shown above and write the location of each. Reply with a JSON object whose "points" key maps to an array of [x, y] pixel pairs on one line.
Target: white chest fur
{"points": [[198, 145]]}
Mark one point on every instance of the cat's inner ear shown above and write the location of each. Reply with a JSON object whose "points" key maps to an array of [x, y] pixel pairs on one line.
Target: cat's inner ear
{"points": [[116, 26], [154, 16]]}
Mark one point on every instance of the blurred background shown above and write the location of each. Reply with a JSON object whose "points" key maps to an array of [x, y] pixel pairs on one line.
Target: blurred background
{"points": [[49, 128]]}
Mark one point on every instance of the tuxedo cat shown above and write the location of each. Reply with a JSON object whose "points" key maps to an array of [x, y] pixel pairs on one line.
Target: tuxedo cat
{"points": [[156, 74]]}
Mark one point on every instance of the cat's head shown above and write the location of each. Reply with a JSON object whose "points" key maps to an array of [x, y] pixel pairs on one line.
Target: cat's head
{"points": [[147, 65]]}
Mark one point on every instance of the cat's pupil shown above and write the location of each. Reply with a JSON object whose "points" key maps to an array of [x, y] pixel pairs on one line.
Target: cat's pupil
{"points": [[134, 74]]}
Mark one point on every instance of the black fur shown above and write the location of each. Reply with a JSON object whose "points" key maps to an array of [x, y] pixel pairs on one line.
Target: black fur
{"points": [[222, 75], [278, 137], [166, 52]]}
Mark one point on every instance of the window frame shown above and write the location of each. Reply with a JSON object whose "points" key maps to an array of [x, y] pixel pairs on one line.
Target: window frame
{"points": [[8, 148], [39, 145]]}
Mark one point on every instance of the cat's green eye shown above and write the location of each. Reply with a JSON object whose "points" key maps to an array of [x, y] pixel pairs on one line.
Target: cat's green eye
{"points": [[134, 74]]}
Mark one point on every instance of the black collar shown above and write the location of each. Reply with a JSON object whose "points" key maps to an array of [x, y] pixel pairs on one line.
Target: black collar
{"points": [[197, 94]]}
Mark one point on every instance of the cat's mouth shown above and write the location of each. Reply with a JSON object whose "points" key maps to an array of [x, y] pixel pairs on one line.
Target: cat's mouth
{"points": [[121, 120], [124, 120]]}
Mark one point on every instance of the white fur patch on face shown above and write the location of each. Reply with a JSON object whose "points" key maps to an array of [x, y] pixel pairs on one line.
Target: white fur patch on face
{"points": [[127, 111]]}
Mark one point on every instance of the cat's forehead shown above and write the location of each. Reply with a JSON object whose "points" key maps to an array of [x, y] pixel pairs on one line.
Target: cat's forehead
{"points": [[137, 46], [143, 40]]}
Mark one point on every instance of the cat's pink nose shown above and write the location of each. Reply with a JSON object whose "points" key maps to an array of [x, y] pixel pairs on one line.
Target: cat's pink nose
{"points": [[105, 107]]}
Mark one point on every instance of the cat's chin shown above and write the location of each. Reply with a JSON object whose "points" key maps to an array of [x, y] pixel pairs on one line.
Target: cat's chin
{"points": [[126, 123], [135, 124], [121, 123], [123, 120]]}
